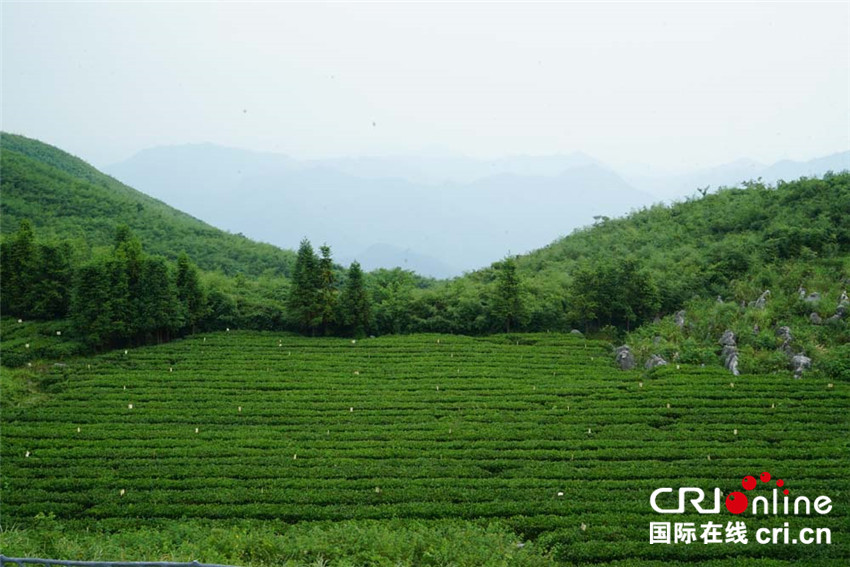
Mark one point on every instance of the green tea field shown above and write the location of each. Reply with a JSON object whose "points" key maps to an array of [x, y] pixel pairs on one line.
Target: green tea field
{"points": [[537, 435]]}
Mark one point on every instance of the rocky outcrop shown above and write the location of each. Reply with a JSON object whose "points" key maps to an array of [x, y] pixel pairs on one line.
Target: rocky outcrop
{"points": [[762, 300], [728, 338], [784, 333], [624, 358], [730, 359], [654, 362], [800, 363], [729, 355]]}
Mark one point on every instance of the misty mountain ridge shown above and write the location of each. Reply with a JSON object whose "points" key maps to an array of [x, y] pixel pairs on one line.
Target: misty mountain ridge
{"points": [[437, 214], [677, 186], [382, 255], [445, 227]]}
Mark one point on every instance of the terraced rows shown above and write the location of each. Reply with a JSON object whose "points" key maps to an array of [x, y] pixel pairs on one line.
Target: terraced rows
{"points": [[258, 425]]}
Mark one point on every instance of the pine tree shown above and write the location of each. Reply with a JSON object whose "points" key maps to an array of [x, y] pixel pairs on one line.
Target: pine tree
{"points": [[507, 305], [327, 292], [303, 302], [355, 302]]}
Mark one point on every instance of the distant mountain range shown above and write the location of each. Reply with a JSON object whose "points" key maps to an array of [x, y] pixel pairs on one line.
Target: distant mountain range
{"points": [[732, 174], [439, 215], [436, 222]]}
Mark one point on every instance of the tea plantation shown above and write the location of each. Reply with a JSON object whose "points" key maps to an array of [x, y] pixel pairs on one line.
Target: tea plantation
{"points": [[535, 438]]}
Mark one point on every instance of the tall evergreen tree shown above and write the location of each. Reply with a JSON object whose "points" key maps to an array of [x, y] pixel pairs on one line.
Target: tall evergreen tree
{"points": [[90, 303], [51, 289], [507, 305], [303, 302], [19, 267], [327, 292], [356, 310], [160, 310], [189, 292]]}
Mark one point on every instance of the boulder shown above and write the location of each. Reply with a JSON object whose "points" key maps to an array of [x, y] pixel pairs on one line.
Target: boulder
{"points": [[730, 359], [843, 300], [624, 358], [762, 300], [680, 318], [801, 292], [813, 297], [800, 363], [815, 319], [728, 338], [654, 361], [576, 332], [784, 333]]}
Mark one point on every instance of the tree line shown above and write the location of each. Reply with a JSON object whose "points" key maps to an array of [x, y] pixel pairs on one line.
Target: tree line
{"points": [[121, 295]]}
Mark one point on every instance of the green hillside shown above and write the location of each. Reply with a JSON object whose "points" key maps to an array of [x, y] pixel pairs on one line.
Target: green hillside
{"points": [[271, 449], [713, 257], [65, 198], [703, 246]]}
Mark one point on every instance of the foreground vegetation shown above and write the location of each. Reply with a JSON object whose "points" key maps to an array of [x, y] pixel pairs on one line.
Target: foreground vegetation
{"points": [[498, 441], [390, 543]]}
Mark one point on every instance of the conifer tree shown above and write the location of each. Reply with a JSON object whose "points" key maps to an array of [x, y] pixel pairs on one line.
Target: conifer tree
{"points": [[90, 303], [51, 288], [189, 292], [508, 306], [327, 291], [19, 263], [355, 302], [303, 302], [160, 312]]}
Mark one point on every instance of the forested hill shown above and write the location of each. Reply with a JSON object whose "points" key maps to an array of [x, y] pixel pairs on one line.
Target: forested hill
{"points": [[676, 278], [66, 198], [701, 246]]}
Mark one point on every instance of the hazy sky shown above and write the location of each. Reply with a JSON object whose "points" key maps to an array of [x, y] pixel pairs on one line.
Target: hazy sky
{"points": [[670, 85]]}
